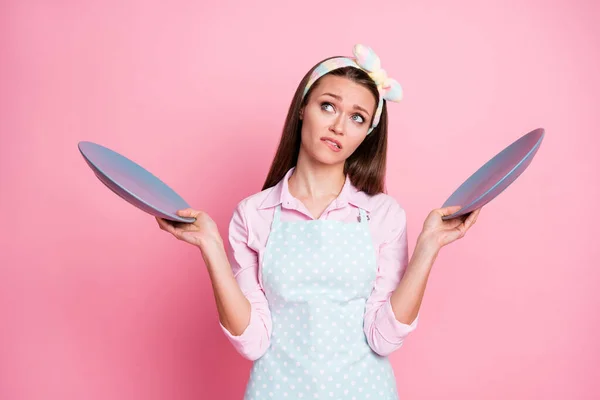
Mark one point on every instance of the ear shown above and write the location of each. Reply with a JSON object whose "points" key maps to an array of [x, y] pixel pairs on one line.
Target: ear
{"points": [[301, 113]]}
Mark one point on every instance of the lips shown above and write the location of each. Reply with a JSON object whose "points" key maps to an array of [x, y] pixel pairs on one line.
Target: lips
{"points": [[333, 144]]}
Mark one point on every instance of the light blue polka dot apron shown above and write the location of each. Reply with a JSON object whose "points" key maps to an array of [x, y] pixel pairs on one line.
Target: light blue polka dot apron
{"points": [[317, 276]]}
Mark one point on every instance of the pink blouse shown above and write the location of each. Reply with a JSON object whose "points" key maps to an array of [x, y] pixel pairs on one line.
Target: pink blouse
{"points": [[248, 233]]}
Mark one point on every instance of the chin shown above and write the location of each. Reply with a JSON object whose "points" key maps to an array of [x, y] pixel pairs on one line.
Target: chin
{"points": [[320, 154], [328, 157]]}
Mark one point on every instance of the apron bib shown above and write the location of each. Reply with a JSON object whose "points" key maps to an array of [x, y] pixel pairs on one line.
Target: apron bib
{"points": [[317, 276]]}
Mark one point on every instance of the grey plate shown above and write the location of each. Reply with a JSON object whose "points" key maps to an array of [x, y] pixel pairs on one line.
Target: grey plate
{"points": [[496, 175], [133, 183]]}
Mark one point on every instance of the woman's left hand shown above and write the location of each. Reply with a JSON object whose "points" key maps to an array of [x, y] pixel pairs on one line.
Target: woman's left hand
{"points": [[440, 233]]}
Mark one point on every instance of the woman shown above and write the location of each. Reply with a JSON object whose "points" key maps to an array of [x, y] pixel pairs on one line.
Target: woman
{"points": [[319, 290]]}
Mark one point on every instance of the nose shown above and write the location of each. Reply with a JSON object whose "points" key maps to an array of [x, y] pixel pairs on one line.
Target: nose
{"points": [[338, 125]]}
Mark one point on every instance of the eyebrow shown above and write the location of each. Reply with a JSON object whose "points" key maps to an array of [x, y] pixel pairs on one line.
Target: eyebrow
{"points": [[335, 96]]}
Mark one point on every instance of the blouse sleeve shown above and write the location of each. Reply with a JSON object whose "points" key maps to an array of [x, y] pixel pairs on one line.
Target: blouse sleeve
{"points": [[384, 332], [255, 339]]}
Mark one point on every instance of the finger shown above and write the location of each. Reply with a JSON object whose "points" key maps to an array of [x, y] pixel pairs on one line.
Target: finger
{"points": [[448, 210], [453, 223], [469, 221], [182, 226], [188, 212], [473, 217], [459, 228], [161, 223], [465, 217], [456, 223], [453, 235], [167, 226]]}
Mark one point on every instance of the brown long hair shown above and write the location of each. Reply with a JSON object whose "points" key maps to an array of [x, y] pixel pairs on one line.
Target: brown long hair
{"points": [[365, 167]]}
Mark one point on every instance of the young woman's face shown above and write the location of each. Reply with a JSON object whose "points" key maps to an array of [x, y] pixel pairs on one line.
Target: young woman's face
{"points": [[336, 119]]}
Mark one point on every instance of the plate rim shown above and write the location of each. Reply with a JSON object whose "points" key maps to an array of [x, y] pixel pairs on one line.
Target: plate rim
{"points": [[128, 192], [528, 155]]}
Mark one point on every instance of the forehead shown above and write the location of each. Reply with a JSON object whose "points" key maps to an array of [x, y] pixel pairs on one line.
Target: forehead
{"points": [[346, 88]]}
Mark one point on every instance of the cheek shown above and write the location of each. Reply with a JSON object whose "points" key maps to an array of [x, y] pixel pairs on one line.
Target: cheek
{"points": [[314, 119], [312, 127], [352, 145], [308, 137]]}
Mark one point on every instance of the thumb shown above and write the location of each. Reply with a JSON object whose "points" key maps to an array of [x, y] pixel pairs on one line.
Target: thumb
{"points": [[188, 212], [449, 210]]}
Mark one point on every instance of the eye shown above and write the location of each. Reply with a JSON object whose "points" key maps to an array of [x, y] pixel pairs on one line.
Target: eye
{"points": [[326, 106], [358, 118]]}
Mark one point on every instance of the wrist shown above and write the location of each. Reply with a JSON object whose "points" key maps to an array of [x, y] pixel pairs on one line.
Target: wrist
{"points": [[425, 253], [427, 244], [210, 244]]}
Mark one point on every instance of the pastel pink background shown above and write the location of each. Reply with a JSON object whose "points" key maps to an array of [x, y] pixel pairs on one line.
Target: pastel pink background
{"points": [[97, 303]]}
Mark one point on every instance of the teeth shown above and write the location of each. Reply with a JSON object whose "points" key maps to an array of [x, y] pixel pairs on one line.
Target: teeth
{"points": [[333, 143]]}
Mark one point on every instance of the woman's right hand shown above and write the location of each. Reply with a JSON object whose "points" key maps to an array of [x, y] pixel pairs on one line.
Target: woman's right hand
{"points": [[202, 231]]}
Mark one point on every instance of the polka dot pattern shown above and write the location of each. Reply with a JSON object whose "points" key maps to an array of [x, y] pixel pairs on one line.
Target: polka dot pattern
{"points": [[317, 276]]}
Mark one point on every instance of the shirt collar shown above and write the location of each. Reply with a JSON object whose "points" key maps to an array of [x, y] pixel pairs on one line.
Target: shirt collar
{"points": [[280, 194]]}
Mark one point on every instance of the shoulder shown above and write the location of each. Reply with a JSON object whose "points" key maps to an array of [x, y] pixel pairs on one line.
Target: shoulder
{"points": [[252, 218], [251, 210], [254, 201], [385, 206], [387, 215]]}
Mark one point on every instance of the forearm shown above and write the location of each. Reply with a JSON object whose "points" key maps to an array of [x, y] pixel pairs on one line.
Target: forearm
{"points": [[406, 299], [233, 307]]}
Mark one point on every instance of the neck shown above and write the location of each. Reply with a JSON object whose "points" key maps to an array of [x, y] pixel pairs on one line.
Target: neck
{"points": [[316, 181]]}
